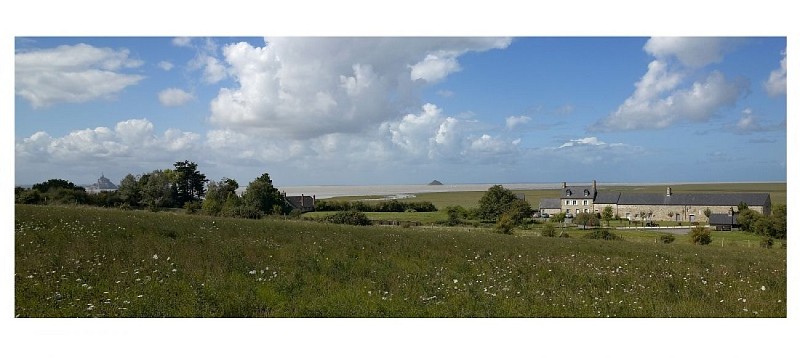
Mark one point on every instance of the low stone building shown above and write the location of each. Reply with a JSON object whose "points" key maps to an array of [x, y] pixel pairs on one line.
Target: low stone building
{"points": [[304, 203], [679, 207]]}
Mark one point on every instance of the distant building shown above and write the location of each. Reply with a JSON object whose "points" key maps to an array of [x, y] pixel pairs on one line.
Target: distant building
{"points": [[103, 184], [664, 207], [304, 203]]}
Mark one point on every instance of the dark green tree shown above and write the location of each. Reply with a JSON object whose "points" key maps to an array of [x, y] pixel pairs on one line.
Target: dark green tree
{"points": [[129, 190], [157, 190], [189, 182], [496, 201], [56, 184], [261, 195]]}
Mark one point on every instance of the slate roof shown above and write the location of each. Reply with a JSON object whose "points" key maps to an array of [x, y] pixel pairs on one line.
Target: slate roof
{"points": [[550, 204], [303, 202], [607, 197], [722, 219], [577, 192]]}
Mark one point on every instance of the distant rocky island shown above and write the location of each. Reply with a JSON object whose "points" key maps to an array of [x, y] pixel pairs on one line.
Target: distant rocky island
{"points": [[435, 182]]}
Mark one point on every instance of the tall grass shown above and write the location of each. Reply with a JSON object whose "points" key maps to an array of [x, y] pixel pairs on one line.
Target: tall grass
{"points": [[90, 262]]}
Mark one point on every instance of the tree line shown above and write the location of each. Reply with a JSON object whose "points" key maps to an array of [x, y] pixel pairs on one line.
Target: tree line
{"points": [[391, 206], [182, 186]]}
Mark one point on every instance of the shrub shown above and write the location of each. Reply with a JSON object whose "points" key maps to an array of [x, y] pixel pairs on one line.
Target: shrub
{"points": [[767, 242], [601, 234], [700, 235], [505, 224], [548, 230], [667, 238], [351, 217], [192, 206], [455, 214]]}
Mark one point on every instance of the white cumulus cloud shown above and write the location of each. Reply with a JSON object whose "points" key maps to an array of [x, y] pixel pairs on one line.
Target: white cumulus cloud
{"points": [[691, 51], [134, 138], [776, 84], [165, 65], [173, 97], [72, 73], [516, 121], [661, 97], [308, 87]]}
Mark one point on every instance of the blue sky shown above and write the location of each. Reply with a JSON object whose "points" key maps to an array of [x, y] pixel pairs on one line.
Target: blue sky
{"points": [[402, 110]]}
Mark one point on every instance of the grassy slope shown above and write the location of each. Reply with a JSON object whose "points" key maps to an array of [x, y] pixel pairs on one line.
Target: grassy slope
{"points": [[75, 262]]}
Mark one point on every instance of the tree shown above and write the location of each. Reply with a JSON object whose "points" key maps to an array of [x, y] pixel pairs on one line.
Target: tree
{"points": [[217, 194], [747, 219], [129, 190], [495, 202], [586, 219], [742, 206], [264, 197], [56, 184], [778, 219], [608, 214], [157, 192], [707, 213], [189, 182], [700, 235]]}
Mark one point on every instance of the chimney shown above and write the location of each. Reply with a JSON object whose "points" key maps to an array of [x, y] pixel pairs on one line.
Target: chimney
{"points": [[669, 191], [563, 185], [594, 186], [302, 201]]}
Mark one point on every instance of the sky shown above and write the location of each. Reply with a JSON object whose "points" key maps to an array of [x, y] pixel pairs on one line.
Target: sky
{"points": [[403, 110], [553, 92]]}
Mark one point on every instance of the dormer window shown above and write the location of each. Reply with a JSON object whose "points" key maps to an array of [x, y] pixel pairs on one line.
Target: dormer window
{"points": [[569, 192], [585, 192]]}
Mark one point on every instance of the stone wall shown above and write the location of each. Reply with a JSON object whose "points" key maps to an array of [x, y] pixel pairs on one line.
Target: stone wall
{"points": [[681, 213]]}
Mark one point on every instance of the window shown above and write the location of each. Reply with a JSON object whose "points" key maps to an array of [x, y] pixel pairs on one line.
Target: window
{"points": [[569, 192], [585, 192], [574, 202], [566, 202], [584, 202], [567, 211]]}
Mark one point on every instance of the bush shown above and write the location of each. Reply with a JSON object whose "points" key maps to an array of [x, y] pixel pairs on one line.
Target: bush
{"points": [[767, 242], [505, 224], [548, 230], [601, 234], [351, 217], [700, 235], [455, 214], [667, 238], [192, 206]]}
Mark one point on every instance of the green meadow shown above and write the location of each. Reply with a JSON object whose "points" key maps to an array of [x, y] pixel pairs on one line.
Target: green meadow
{"points": [[93, 262]]}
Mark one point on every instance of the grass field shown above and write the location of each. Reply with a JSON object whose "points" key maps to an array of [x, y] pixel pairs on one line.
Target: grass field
{"points": [[91, 262]]}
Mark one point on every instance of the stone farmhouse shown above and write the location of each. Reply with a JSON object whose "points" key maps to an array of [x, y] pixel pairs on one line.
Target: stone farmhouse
{"points": [[669, 206], [303, 203]]}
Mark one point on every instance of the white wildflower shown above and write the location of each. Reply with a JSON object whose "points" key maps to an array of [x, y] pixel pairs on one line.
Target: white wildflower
{"points": [[155, 257], [763, 288]]}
